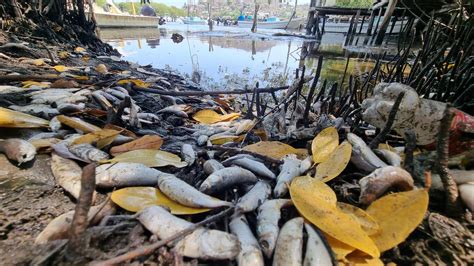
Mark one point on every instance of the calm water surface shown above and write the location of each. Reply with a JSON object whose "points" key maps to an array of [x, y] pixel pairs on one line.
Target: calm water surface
{"points": [[230, 58]]}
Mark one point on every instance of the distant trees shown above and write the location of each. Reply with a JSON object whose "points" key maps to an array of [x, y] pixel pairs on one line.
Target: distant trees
{"points": [[354, 3], [160, 9]]}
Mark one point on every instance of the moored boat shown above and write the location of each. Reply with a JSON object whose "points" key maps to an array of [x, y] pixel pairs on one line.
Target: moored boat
{"points": [[295, 23]]}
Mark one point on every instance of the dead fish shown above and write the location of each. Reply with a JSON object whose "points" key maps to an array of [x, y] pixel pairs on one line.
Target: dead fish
{"points": [[5, 89], [180, 191], [73, 99], [306, 164], [88, 153], [390, 157], [45, 135], [125, 175], [117, 93], [318, 252], [462, 176], [202, 243], [267, 224], [18, 150], [54, 124], [65, 108], [289, 247], [149, 117], [110, 97], [67, 174], [42, 110], [59, 227], [120, 89], [187, 154], [289, 170], [100, 98], [362, 156], [225, 178], [251, 164], [250, 252], [381, 180], [211, 166], [202, 140], [254, 198], [177, 110]]}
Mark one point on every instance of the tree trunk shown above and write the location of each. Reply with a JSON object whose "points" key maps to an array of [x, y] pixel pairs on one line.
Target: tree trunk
{"points": [[209, 8], [254, 25]]}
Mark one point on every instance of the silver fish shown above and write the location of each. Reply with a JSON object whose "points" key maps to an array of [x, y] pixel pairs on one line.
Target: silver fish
{"points": [[267, 224], [42, 110], [362, 156], [251, 164], [18, 150], [202, 243], [188, 154], [54, 124], [202, 140], [254, 198], [65, 108], [289, 247], [177, 109], [180, 191], [211, 166], [250, 252], [317, 250], [390, 157], [88, 153], [125, 175], [100, 98], [289, 170], [225, 178], [67, 174]]}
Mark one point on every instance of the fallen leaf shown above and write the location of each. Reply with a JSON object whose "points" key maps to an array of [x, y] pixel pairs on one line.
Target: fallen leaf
{"points": [[359, 258], [245, 125], [102, 137], [274, 149], [101, 68], [136, 82], [123, 131], [335, 163], [368, 224], [79, 50], [80, 77], [134, 199], [329, 219], [209, 116], [397, 214], [63, 54], [145, 142], [10, 118], [61, 68], [64, 83], [309, 187], [77, 123], [324, 144], [31, 83], [38, 62], [150, 158], [221, 139], [340, 249]]}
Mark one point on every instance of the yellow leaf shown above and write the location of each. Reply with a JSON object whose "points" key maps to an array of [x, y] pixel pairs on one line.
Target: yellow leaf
{"points": [[77, 123], [10, 118], [80, 77], [134, 199], [102, 137], [274, 149], [329, 219], [137, 82], [101, 68], [309, 187], [79, 50], [359, 258], [63, 54], [61, 68], [221, 139], [335, 163], [210, 117], [386, 146], [145, 142], [30, 83], [397, 214], [340, 249], [368, 224], [150, 158], [38, 62], [324, 144]]}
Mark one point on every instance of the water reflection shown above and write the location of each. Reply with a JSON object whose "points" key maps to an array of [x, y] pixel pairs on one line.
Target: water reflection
{"points": [[232, 59]]}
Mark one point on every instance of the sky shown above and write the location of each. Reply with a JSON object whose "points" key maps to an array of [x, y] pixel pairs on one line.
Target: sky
{"points": [[180, 3]]}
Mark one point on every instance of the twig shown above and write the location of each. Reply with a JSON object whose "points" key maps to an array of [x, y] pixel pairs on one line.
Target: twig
{"points": [[49, 53], [388, 126], [145, 250], [240, 151], [442, 151], [410, 140], [79, 221], [309, 100]]}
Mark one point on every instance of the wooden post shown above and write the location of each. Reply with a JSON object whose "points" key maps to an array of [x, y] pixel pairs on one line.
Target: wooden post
{"points": [[254, 25], [310, 20], [386, 20], [209, 8], [371, 22]]}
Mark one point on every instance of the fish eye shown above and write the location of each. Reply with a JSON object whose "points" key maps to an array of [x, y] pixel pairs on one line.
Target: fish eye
{"points": [[24, 156]]}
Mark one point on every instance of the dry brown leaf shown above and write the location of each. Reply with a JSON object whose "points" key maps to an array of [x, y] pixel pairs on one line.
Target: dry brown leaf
{"points": [[145, 142], [150, 158], [101, 137], [64, 83], [77, 123]]}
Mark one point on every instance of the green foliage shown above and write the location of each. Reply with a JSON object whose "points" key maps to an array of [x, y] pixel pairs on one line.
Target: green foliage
{"points": [[160, 9], [100, 3], [354, 3]]}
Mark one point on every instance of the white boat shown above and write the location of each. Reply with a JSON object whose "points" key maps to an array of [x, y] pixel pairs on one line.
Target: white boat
{"points": [[295, 23], [194, 21]]}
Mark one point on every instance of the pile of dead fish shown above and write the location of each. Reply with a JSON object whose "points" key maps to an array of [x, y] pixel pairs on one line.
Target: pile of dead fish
{"points": [[262, 185]]}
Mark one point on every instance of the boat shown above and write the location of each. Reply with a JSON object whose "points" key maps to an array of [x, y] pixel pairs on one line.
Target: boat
{"points": [[273, 23], [114, 18], [194, 21]]}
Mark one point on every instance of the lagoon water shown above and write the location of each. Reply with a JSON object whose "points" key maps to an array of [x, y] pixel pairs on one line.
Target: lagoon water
{"points": [[231, 57]]}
